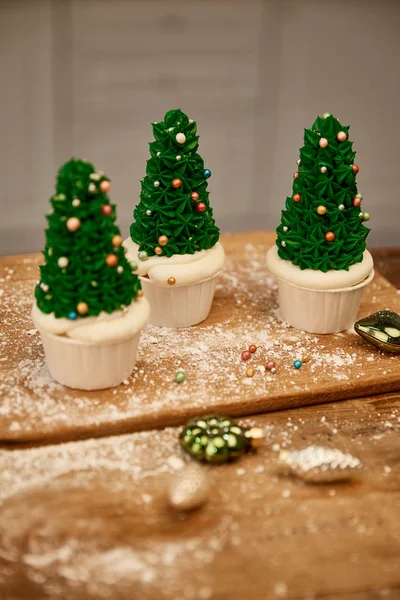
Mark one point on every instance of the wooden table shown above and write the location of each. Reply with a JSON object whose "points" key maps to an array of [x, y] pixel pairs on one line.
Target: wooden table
{"points": [[89, 519]]}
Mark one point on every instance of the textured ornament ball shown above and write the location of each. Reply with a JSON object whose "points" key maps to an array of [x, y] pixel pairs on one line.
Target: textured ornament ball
{"points": [[341, 207], [326, 115], [163, 240], [180, 376], [133, 266], [178, 157], [63, 262], [148, 212], [176, 183], [142, 255], [156, 184], [361, 215], [105, 186], [366, 216], [201, 207], [171, 281], [194, 196], [120, 269], [283, 244], [250, 372], [206, 173], [180, 138], [323, 169], [323, 142], [158, 250], [72, 315], [73, 224], [297, 197], [76, 202], [297, 364], [269, 365], [44, 287], [330, 236], [214, 439], [285, 228], [111, 260], [355, 168], [82, 308], [246, 355], [341, 136], [92, 188], [298, 162], [295, 175], [116, 241], [321, 210], [360, 195], [252, 348], [356, 201], [106, 210]]}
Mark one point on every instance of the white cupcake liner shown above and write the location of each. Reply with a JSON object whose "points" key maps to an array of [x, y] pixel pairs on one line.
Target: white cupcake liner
{"points": [[320, 311], [179, 306], [89, 366]]}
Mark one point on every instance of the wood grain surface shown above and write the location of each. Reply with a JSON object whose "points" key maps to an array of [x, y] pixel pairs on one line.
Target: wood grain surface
{"points": [[89, 520], [33, 408]]}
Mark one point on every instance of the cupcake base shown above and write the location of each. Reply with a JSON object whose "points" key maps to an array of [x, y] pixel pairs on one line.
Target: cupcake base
{"points": [[87, 366], [323, 310], [180, 306]]}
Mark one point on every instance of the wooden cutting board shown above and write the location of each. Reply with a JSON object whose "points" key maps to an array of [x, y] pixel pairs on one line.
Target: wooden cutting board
{"points": [[35, 409]]}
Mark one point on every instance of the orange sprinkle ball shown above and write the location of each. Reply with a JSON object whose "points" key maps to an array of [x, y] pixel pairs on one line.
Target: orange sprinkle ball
{"points": [[297, 197], [194, 196], [330, 236], [252, 348], [111, 260], [356, 201], [295, 175], [355, 168], [106, 210], [158, 250], [171, 281], [176, 183], [321, 210], [163, 240]]}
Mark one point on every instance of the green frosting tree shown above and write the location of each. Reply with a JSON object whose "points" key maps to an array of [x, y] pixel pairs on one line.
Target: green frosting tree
{"points": [[174, 215], [322, 226], [85, 270]]}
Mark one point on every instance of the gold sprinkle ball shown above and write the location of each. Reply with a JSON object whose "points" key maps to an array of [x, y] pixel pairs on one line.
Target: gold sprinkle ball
{"points": [[163, 240], [250, 372], [158, 250], [117, 240], [171, 281], [140, 294], [82, 308], [305, 358]]}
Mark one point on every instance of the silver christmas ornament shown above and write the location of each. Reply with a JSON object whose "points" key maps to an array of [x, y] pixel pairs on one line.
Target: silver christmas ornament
{"points": [[190, 488], [318, 464]]}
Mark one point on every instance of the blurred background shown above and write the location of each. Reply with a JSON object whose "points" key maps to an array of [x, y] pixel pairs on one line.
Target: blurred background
{"points": [[87, 77]]}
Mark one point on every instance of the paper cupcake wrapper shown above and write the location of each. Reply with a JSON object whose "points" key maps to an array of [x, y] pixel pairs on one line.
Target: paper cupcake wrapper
{"points": [[89, 366], [181, 306], [320, 311]]}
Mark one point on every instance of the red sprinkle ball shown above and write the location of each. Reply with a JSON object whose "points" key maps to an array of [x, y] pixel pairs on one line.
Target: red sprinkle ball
{"points": [[270, 365], [201, 207], [246, 354]]}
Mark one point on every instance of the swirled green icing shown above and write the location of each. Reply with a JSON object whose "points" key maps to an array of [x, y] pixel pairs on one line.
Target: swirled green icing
{"points": [[87, 278], [303, 239], [169, 211]]}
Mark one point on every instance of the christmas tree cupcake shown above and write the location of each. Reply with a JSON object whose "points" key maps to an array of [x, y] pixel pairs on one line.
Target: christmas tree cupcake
{"points": [[89, 307], [320, 257], [174, 238]]}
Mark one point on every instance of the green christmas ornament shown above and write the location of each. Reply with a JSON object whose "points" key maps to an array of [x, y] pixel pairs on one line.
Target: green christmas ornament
{"points": [[85, 270], [174, 200], [321, 228], [217, 439]]}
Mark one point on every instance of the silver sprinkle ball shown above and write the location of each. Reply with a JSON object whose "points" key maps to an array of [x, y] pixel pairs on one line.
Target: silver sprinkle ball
{"points": [[318, 464]]}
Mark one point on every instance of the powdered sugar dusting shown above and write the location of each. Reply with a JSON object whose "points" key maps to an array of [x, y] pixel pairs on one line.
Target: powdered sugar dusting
{"points": [[34, 407]]}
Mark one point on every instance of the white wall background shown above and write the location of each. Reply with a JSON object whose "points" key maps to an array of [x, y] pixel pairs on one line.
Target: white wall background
{"points": [[86, 78]]}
